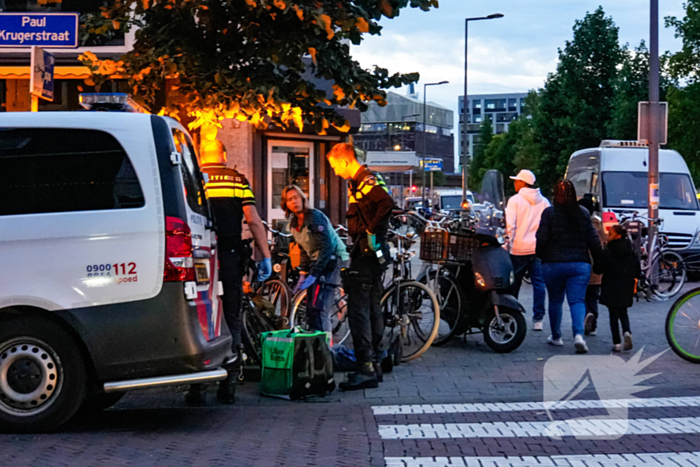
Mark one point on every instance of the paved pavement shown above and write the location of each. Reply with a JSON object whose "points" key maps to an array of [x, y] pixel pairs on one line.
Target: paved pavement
{"points": [[460, 404]]}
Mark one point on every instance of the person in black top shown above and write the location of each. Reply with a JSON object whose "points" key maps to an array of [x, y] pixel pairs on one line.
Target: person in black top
{"points": [[368, 223], [566, 240], [620, 269], [231, 200]]}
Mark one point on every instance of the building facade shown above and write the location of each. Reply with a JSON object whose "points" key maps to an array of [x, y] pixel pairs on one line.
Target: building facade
{"points": [[500, 109]]}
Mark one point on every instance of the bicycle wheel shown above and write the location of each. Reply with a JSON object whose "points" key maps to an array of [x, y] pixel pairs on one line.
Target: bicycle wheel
{"points": [[683, 326], [254, 324], [669, 273], [412, 315], [339, 314], [276, 292], [451, 299]]}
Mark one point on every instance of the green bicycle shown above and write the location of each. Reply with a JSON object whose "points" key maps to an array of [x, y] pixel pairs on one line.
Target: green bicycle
{"points": [[683, 326]]}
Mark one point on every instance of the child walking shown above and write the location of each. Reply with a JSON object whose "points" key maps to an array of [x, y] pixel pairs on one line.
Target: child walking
{"points": [[620, 268]]}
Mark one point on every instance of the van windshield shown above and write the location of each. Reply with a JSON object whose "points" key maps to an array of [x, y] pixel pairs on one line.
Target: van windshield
{"points": [[629, 190], [452, 202]]}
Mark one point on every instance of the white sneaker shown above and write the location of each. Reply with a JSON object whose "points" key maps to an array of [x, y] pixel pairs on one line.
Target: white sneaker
{"points": [[559, 342], [617, 348], [628, 341], [537, 325], [580, 344]]}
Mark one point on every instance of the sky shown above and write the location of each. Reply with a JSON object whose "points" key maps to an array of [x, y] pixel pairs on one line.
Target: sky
{"points": [[511, 54]]}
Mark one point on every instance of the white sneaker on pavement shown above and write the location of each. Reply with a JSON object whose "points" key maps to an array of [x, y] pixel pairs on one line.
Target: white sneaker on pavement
{"points": [[580, 344], [628, 342], [537, 325], [617, 348], [559, 342]]}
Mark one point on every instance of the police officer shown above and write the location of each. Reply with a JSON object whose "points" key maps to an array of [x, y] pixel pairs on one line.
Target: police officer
{"points": [[231, 199], [368, 222]]}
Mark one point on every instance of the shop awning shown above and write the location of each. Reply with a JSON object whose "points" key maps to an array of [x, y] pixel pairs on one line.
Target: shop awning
{"points": [[60, 72]]}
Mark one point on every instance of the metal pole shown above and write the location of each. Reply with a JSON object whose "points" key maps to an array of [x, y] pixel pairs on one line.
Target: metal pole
{"points": [[654, 123], [465, 114], [425, 136]]}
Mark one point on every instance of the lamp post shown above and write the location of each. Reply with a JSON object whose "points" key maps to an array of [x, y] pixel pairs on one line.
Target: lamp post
{"points": [[425, 132], [465, 134]]}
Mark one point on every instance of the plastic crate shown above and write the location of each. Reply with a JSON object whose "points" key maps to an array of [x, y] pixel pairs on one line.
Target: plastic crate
{"points": [[433, 245], [460, 247]]}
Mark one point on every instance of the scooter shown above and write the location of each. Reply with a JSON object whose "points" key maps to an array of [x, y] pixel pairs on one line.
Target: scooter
{"points": [[475, 293]]}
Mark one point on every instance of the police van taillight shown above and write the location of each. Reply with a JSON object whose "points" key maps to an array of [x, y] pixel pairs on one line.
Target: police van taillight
{"points": [[179, 262]]}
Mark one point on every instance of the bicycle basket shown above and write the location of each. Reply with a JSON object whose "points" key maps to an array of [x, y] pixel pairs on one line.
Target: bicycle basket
{"points": [[433, 245], [460, 247]]}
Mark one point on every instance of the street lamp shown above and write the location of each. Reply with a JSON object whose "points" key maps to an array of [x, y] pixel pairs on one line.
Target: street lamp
{"points": [[465, 134], [425, 131]]}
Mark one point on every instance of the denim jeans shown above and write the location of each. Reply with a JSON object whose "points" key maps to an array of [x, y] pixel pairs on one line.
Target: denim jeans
{"points": [[521, 265], [319, 300], [570, 279]]}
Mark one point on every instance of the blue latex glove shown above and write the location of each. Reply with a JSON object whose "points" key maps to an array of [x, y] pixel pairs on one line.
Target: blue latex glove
{"points": [[308, 282], [264, 269], [372, 242]]}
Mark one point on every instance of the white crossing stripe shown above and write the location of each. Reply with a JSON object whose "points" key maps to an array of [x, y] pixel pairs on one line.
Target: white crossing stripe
{"points": [[580, 428], [522, 406], [684, 459]]}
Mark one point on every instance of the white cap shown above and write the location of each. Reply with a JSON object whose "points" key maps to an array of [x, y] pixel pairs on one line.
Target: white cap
{"points": [[525, 176]]}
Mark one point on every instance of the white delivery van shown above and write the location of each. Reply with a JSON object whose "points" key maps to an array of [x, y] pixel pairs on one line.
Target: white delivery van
{"points": [[450, 200], [616, 173], [109, 276]]}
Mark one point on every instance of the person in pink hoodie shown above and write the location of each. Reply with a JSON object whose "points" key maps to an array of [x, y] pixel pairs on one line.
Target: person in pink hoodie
{"points": [[523, 214]]}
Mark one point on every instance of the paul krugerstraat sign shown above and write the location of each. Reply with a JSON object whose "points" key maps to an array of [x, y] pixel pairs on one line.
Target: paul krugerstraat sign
{"points": [[39, 29]]}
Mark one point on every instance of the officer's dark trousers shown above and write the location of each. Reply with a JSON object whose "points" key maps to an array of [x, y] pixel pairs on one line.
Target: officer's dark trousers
{"points": [[363, 285], [231, 276]]}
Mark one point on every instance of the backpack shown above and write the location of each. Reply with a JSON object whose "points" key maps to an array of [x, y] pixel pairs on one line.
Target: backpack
{"points": [[296, 364]]}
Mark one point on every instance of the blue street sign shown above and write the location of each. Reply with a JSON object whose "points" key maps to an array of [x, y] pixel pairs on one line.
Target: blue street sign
{"points": [[40, 29], [41, 78], [433, 166]]}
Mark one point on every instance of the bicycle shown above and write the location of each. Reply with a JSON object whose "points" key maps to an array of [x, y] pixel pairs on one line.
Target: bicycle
{"points": [[683, 326], [410, 308], [662, 277], [277, 289]]}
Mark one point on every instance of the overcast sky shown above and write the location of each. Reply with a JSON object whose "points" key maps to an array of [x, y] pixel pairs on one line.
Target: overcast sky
{"points": [[511, 54]]}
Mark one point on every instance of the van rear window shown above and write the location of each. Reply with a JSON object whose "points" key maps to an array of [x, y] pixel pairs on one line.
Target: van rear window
{"points": [[45, 170]]}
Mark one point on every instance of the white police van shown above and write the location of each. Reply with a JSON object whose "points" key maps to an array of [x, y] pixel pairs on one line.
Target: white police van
{"points": [[109, 276], [616, 173]]}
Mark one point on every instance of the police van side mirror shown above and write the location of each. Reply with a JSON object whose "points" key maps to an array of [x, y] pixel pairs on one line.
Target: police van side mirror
{"points": [[175, 158]]}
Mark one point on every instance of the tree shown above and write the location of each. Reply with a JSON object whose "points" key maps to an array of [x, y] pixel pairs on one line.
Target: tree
{"points": [[251, 59], [631, 88], [478, 160], [686, 63], [576, 102]]}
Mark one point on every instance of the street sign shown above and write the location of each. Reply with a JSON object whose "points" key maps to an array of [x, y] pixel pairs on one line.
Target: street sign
{"points": [[644, 121], [433, 165], [39, 29], [41, 76]]}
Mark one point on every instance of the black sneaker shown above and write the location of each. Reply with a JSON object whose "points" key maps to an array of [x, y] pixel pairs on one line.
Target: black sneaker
{"points": [[365, 379], [226, 394], [196, 396]]}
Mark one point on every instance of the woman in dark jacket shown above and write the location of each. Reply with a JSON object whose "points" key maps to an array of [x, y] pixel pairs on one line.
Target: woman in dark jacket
{"points": [[620, 269], [323, 255], [566, 240]]}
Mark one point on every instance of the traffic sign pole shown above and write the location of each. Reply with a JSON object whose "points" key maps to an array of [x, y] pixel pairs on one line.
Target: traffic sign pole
{"points": [[654, 134]]}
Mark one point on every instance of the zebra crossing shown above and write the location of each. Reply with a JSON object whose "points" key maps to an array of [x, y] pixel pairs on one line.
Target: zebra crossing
{"points": [[586, 433]]}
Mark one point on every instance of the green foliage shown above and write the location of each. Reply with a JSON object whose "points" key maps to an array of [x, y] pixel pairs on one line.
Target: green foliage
{"points": [[478, 160], [684, 122], [252, 59], [439, 178], [576, 103], [686, 63]]}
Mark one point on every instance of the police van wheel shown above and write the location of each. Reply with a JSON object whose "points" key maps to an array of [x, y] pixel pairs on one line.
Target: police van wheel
{"points": [[43, 379]]}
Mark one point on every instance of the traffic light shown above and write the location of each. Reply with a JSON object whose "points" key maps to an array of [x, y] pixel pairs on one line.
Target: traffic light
{"points": [[414, 188]]}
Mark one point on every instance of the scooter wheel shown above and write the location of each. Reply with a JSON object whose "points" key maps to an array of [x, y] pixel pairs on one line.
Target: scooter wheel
{"points": [[508, 336]]}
